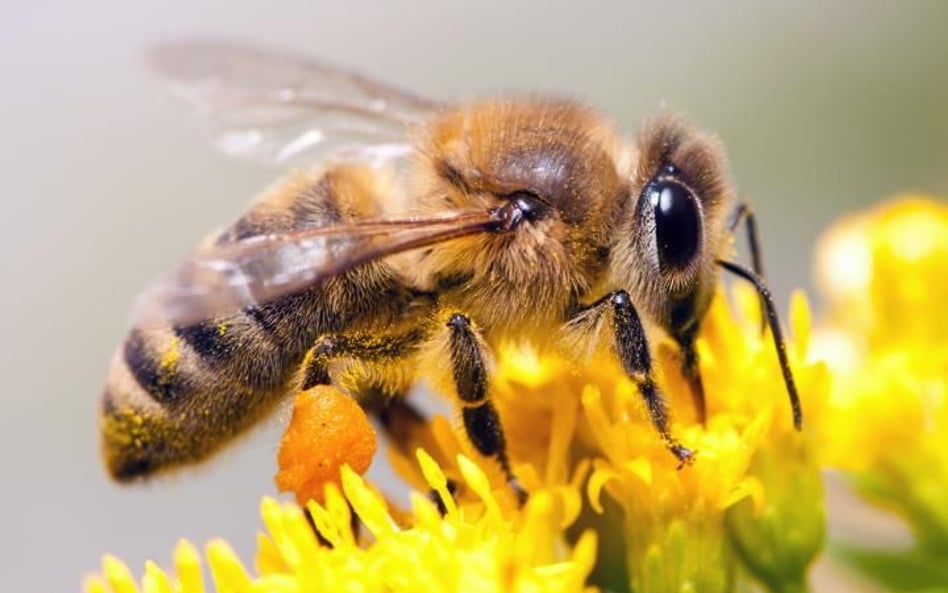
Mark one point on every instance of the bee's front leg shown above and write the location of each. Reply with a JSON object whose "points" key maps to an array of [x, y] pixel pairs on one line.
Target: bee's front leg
{"points": [[633, 351], [743, 213]]}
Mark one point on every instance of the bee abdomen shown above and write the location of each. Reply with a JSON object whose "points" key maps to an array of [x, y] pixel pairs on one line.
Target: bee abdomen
{"points": [[176, 394], [164, 406]]}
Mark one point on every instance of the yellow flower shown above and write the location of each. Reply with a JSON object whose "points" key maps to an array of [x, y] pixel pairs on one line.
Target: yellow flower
{"points": [[885, 272], [582, 436], [483, 548], [755, 486]]}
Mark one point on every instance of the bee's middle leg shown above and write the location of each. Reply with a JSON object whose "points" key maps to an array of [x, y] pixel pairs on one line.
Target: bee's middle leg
{"points": [[481, 421]]}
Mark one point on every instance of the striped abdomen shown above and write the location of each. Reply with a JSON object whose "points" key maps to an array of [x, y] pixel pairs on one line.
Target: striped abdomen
{"points": [[175, 394]]}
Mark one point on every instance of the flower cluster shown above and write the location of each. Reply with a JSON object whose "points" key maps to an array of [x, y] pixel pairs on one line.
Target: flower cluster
{"points": [[752, 500], [885, 272], [490, 549]]}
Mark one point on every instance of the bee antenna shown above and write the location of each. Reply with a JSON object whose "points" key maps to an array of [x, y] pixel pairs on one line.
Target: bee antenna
{"points": [[771, 313]]}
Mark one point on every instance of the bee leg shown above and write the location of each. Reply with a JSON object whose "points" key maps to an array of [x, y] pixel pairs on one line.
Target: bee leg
{"points": [[481, 421], [632, 348], [362, 347], [691, 373], [776, 333], [368, 348], [743, 213]]}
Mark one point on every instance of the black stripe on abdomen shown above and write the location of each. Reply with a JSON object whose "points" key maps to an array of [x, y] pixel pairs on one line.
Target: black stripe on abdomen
{"points": [[166, 384], [241, 347]]}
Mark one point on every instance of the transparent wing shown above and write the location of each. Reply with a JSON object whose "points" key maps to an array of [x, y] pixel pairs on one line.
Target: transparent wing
{"points": [[227, 278], [281, 108]]}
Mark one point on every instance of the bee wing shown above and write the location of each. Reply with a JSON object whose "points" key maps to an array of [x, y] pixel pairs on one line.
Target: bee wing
{"points": [[281, 108], [226, 278]]}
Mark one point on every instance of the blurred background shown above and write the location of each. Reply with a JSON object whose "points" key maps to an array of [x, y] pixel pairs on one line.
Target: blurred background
{"points": [[107, 180]]}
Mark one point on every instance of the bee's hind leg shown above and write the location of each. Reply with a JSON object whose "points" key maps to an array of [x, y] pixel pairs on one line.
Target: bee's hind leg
{"points": [[388, 409], [367, 348], [481, 421], [404, 425]]}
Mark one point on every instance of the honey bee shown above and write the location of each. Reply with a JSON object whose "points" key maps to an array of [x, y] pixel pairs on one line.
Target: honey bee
{"points": [[416, 228]]}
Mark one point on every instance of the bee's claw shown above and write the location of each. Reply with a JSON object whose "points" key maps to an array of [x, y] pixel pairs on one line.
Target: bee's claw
{"points": [[684, 455], [518, 490]]}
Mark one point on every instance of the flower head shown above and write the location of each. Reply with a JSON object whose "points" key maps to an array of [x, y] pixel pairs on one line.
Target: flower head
{"points": [[582, 445], [581, 434], [884, 272], [470, 549]]}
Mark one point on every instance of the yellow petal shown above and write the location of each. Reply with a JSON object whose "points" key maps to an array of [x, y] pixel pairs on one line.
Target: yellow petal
{"points": [[155, 580], [268, 558], [477, 480], [640, 467], [371, 509], [341, 513], [118, 576], [187, 566], [94, 584], [438, 482], [749, 486], [597, 481], [228, 573]]}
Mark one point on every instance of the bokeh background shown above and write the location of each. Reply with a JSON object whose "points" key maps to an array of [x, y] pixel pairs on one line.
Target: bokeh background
{"points": [[106, 180]]}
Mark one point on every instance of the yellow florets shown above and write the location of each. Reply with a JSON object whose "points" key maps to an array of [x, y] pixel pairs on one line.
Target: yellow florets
{"points": [[580, 432], [886, 339], [469, 549]]}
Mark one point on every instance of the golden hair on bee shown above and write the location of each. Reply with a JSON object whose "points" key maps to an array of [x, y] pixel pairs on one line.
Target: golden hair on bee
{"points": [[556, 152], [507, 218]]}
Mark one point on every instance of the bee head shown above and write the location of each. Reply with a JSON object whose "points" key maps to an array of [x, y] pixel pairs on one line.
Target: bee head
{"points": [[673, 228]]}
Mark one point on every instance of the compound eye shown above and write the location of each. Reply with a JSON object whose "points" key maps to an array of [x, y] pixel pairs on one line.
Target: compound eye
{"points": [[677, 223]]}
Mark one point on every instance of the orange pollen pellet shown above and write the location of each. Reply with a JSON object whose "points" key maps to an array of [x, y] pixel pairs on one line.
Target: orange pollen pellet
{"points": [[328, 429]]}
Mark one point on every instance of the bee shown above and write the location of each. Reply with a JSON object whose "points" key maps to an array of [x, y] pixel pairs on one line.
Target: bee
{"points": [[416, 229]]}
